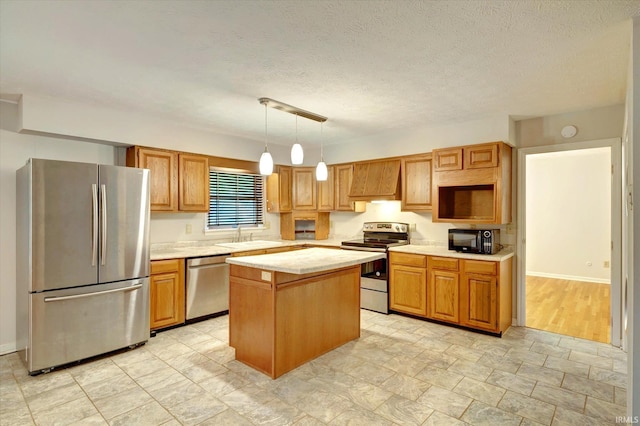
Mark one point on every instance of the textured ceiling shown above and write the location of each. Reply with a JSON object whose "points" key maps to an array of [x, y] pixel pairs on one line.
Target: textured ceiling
{"points": [[369, 66]]}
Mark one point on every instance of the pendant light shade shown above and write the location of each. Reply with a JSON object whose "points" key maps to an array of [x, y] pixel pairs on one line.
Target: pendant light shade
{"points": [[297, 155], [321, 171], [266, 161]]}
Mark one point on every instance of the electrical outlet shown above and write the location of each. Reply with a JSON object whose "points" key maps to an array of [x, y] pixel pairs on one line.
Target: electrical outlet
{"points": [[412, 227], [266, 224], [188, 228], [606, 263]]}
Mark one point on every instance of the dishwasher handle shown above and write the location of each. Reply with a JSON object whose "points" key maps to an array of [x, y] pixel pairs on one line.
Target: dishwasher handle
{"points": [[208, 260]]}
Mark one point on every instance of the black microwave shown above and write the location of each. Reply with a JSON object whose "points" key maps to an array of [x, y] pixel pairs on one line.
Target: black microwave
{"points": [[481, 241]]}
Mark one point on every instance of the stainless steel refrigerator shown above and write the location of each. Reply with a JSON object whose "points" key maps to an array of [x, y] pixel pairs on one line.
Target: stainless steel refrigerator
{"points": [[82, 249]]}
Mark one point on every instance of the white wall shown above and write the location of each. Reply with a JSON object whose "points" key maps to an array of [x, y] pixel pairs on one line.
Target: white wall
{"points": [[172, 227], [421, 139], [15, 149], [568, 198]]}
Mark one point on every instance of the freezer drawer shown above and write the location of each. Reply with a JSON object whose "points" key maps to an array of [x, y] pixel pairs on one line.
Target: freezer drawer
{"points": [[73, 324]]}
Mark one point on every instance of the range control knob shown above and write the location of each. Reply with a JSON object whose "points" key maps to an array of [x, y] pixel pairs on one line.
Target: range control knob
{"points": [[487, 234]]}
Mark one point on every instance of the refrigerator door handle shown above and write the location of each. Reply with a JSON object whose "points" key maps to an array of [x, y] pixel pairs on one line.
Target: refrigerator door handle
{"points": [[98, 293], [94, 236], [103, 231]]}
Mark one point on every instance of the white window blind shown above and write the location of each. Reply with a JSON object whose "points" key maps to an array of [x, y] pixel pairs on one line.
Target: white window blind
{"points": [[235, 199]]}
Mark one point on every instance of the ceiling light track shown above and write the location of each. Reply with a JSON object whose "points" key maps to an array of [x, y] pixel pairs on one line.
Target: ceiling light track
{"points": [[291, 109]]}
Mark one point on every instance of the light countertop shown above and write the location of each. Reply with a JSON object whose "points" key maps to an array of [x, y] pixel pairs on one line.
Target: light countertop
{"points": [[185, 249], [445, 252], [307, 261]]}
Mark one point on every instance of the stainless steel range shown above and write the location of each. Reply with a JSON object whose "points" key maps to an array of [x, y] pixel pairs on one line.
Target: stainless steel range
{"points": [[374, 281]]}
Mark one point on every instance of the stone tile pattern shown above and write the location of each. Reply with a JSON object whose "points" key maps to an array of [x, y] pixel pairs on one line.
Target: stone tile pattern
{"points": [[400, 371]]}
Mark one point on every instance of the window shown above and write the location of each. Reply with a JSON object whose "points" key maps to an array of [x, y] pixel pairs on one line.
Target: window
{"points": [[236, 199]]}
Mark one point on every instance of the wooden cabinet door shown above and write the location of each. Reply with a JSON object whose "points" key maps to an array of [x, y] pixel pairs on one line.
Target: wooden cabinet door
{"points": [[304, 188], [443, 290], [407, 289], [326, 196], [166, 293], [447, 159], [376, 179], [279, 186], [343, 176], [194, 183], [479, 302], [481, 156], [164, 177], [416, 183], [285, 188]]}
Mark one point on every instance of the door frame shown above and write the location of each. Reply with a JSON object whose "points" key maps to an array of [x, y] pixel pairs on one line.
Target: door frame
{"points": [[616, 228]]}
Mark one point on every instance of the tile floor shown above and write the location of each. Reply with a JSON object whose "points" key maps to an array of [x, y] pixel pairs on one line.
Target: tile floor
{"points": [[400, 371]]}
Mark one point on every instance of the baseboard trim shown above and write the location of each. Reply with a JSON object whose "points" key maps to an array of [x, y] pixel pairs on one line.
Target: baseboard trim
{"points": [[569, 277], [8, 348]]}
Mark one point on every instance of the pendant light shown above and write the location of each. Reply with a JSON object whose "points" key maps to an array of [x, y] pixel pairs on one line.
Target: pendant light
{"points": [[297, 155], [266, 161], [321, 168]]}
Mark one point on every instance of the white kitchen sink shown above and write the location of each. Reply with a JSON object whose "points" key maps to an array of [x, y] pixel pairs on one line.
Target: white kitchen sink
{"points": [[251, 245]]}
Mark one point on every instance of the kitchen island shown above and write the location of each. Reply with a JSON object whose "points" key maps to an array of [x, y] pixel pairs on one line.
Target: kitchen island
{"points": [[288, 308]]}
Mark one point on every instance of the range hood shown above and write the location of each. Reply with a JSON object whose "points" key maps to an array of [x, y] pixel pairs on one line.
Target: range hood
{"points": [[375, 180]]}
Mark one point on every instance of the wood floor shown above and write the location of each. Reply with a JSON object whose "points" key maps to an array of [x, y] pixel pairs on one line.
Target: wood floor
{"points": [[573, 308]]}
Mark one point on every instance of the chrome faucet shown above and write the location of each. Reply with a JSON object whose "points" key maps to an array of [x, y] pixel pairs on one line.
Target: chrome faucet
{"points": [[238, 234]]}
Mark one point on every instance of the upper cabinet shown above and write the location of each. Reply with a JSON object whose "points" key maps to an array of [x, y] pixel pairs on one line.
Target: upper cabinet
{"points": [[193, 179], [304, 188], [343, 175], [472, 184], [326, 192], [179, 181], [279, 184], [376, 180], [416, 182], [163, 176]]}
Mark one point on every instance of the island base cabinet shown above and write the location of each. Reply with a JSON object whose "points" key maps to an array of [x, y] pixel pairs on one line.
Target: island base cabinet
{"points": [[279, 321]]}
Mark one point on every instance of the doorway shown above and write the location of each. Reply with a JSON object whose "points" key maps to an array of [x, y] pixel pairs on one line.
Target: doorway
{"points": [[569, 263]]}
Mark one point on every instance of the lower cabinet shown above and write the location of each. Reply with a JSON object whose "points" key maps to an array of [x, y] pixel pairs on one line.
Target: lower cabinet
{"points": [[443, 289], [470, 293], [166, 293], [408, 283]]}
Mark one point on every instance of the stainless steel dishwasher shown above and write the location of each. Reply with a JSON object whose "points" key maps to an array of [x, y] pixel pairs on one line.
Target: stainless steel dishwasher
{"points": [[207, 291]]}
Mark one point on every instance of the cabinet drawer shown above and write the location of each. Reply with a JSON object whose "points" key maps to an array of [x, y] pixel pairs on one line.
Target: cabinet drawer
{"points": [[480, 267], [162, 266], [408, 259], [446, 263]]}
